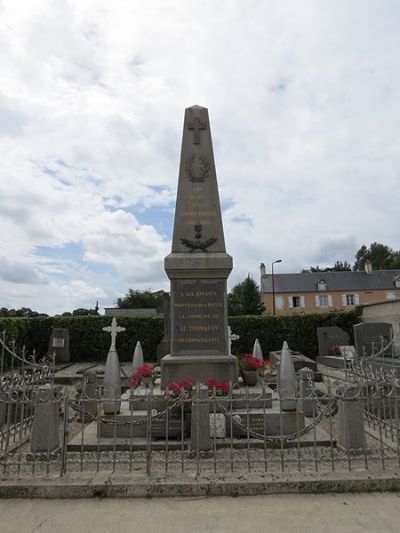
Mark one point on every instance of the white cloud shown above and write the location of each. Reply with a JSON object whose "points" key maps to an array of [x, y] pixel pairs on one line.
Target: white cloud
{"points": [[303, 100]]}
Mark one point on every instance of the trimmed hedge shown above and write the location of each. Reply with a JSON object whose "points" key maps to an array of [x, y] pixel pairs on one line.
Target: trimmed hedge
{"points": [[300, 331], [88, 342]]}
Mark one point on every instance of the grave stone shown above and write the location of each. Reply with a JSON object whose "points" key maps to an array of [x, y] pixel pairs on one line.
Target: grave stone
{"points": [[328, 337], [137, 357], [231, 337], [198, 265], [287, 384], [112, 373], [45, 427], [257, 351], [370, 338], [59, 345], [273, 422], [299, 360]]}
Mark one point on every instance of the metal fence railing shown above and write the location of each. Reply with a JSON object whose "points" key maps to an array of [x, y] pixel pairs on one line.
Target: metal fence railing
{"points": [[47, 429]]}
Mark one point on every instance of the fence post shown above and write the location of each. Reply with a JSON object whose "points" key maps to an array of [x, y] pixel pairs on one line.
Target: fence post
{"points": [[306, 376], [351, 418], [45, 434], [200, 438]]}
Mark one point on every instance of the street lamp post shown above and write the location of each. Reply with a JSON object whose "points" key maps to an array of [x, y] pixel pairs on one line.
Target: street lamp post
{"points": [[273, 284]]}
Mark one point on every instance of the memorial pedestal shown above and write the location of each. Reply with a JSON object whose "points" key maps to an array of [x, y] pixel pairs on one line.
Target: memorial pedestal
{"points": [[176, 368]]}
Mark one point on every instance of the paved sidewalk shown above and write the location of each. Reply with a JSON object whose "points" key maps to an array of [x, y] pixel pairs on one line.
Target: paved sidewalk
{"points": [[303, 513]]}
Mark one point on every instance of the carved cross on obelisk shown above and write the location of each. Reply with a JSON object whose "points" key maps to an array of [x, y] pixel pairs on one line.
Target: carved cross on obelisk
{"points": [[196, 126], [114, 330]]}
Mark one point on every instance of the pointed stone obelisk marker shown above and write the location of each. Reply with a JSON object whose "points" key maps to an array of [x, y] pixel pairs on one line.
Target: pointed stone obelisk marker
{"points": [[287, 385], [257, 350], [137, 357], [198, 265]]}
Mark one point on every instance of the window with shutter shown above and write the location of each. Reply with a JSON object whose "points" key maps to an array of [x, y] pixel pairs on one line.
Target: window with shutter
{"points": [[278, 302], [323, 300], [294, 301]]}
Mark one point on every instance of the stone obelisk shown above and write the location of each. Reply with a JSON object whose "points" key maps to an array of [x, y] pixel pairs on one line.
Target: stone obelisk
{"points": [[198, 265]]}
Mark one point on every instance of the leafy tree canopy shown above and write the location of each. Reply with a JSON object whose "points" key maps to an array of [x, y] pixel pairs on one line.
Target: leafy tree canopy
{"points": [[381, 256], [244, 299], [23, 312], [339, 266], [82, 312], [136, 299]]}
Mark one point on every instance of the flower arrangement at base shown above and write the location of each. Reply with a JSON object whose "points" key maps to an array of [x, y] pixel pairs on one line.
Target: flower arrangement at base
{"points": [[144, 374], [247, 362], [183, 389], [335, 350], [221, 388]]}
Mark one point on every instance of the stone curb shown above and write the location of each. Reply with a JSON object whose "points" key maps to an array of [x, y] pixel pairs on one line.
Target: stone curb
{"points": [[107, 485]]}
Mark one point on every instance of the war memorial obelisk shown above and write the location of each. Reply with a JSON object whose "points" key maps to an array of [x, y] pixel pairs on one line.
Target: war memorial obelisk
{"points": [[198, 265]]}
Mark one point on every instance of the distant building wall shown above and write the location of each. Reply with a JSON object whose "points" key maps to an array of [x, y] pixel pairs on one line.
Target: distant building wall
{"points": [[119, 311], [388, 311], [311, 302]]}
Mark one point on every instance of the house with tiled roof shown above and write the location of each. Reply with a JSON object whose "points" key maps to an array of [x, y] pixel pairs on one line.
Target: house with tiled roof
{"points": [[319, 292]]}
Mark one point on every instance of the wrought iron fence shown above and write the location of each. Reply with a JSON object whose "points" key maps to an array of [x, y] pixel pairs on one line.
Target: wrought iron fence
{"points": [[18, 361], [50, 430]]}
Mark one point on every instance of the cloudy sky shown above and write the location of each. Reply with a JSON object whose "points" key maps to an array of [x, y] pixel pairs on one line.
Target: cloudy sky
{"points": [[304, 106]]}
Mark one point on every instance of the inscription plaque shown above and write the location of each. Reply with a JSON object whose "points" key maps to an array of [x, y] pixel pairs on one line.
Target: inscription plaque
{"points": [[199, 316]]}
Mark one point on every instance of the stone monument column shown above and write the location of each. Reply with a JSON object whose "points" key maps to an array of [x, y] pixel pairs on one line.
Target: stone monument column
{"points": [[198, 265]]}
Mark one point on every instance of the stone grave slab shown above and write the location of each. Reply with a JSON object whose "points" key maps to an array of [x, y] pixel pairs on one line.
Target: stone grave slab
{"points": [[369, 338], [299, 360], [328, 337], [59, 345], [275, 421]]}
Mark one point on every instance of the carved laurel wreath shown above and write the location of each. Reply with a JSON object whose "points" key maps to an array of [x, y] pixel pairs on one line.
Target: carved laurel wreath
{"points": [[198, 244], [204, 169]]}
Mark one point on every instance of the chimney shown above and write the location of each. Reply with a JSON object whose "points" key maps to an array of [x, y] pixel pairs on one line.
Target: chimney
{"points": [[262, 270], [368, 266]]}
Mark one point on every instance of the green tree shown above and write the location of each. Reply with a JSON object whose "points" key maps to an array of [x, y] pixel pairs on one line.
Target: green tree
{"points": [[23, 312], [83, 312], [339, 266], [245, 299], [381, 256], [136, 299]]}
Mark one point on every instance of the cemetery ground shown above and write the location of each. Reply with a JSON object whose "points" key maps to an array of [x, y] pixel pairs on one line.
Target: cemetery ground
{"points": [[288, 513]]}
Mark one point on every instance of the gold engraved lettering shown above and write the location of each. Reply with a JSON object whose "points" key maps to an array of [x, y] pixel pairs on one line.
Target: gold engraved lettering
{"points": [[199, 339], [187, 305], [205, 293], [199, 327]]}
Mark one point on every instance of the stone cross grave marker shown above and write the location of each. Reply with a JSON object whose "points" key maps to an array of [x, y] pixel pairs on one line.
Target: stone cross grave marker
{"points": [[231, 337], [112, 372], [114, 329]]}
